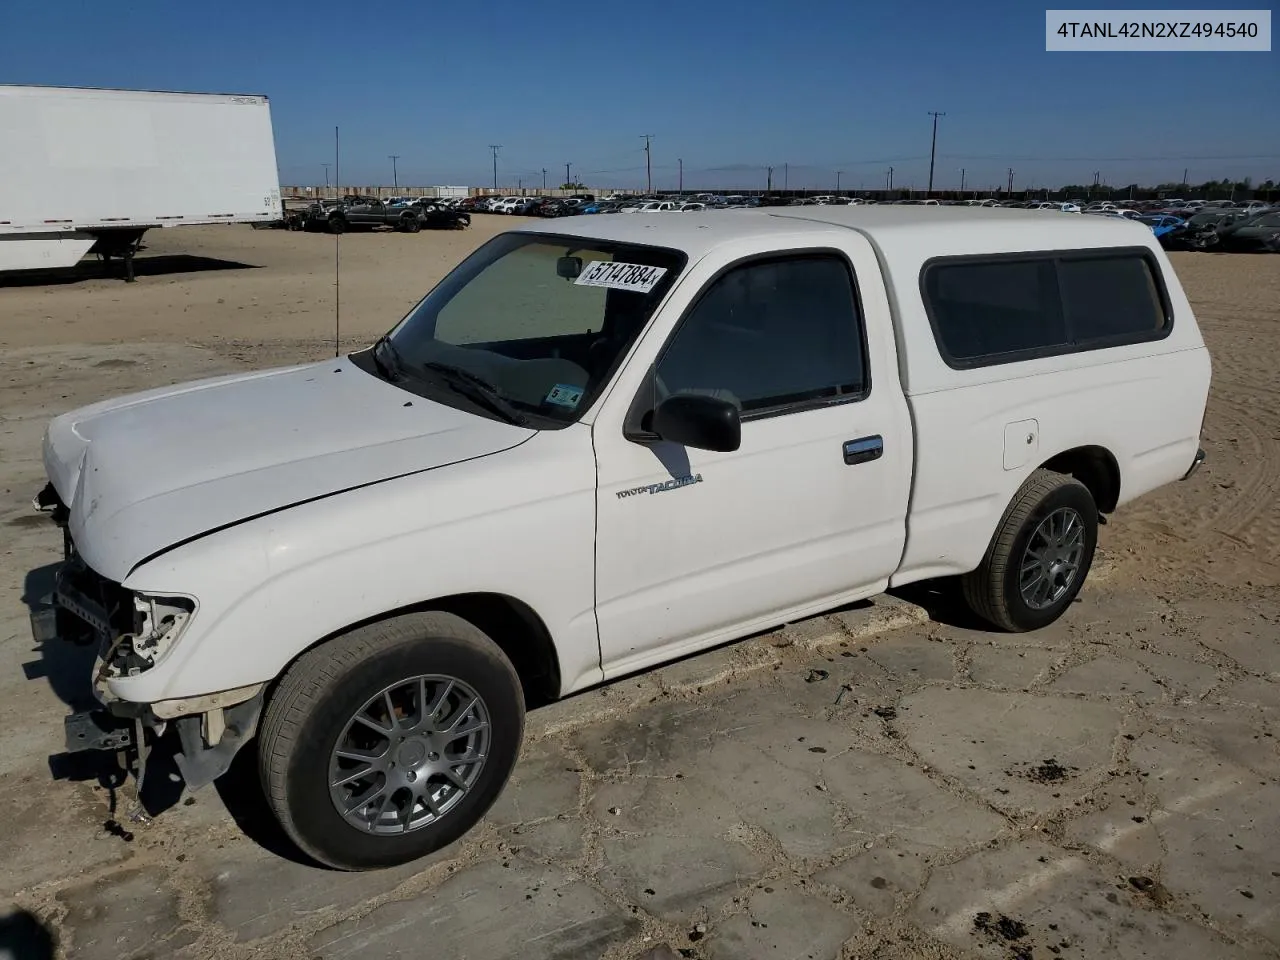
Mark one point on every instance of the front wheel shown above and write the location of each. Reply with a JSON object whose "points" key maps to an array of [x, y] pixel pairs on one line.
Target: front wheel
{"points": [[1039, 556], [337, 225], [386, 744]]}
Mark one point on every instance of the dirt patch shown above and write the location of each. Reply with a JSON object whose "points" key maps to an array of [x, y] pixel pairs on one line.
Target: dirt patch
{"points": [[1005, 931], [1046, 771], [1153, 890]]}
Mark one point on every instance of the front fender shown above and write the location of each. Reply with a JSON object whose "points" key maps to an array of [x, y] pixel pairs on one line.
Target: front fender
{"points": [[520, 523]]}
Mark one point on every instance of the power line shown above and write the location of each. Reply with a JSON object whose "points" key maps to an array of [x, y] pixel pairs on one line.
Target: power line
{"points": [[1152, 159]]}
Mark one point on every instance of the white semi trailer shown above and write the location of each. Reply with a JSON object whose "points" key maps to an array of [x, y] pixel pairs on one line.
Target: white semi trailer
{"points": [[86, 170]]}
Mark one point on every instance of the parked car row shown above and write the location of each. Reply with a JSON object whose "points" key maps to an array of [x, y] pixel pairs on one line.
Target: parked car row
{"points": [[1177, 224], [589, 204], [367, 213], [1226, 230]]}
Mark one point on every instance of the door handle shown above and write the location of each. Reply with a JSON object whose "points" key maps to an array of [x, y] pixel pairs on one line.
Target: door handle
{"points": [[863, 450]]}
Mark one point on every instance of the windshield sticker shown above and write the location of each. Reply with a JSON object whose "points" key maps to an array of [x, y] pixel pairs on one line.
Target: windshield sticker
{"points": [[565, 395], [620, 276]]}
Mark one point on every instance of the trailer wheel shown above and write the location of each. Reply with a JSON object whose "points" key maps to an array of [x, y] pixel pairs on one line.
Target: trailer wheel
{"points": [[337, 225], [1039, 556], [392, 741]]}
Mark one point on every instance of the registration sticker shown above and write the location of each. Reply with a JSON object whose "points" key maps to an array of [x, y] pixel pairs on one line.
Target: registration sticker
{"points": [[620, 276], [565, 395]]}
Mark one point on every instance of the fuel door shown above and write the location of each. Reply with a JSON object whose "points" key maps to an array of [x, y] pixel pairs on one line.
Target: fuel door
{"points": [[1021, 443]]}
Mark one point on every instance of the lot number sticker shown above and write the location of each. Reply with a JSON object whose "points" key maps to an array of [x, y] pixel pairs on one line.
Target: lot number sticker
{"points": [[564, 395], [620, 276]]}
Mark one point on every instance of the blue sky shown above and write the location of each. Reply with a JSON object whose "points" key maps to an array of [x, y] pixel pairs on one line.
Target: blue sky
{"points": [[728, 87]]}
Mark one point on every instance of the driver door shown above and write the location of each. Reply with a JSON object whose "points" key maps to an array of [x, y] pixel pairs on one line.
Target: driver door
{"points": [[696, 546]]}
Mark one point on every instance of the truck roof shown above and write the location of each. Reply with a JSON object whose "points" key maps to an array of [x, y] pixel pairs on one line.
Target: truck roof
{"points": [[926, 230]]}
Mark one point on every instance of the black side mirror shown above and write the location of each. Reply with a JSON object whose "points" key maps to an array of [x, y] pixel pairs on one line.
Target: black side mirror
{"points": [[705, 423]]}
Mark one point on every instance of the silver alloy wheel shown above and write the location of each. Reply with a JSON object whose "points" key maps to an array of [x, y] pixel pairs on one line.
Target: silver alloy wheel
{"points": [[409, 755], [1051, 561]]}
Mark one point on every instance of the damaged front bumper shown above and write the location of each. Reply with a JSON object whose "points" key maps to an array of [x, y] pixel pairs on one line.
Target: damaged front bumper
{"points": [[131, 631]]}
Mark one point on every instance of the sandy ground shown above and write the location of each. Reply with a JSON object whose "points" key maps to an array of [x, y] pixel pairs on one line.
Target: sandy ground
{"points": [[934, 804]]}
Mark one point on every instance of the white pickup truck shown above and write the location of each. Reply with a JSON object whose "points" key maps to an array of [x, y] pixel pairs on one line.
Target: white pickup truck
{"points": [[594, 447]]}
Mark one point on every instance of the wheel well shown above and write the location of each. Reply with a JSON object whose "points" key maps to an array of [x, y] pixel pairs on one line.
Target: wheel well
{"points": [[519, 631], [1096, 468], [510, 623]]}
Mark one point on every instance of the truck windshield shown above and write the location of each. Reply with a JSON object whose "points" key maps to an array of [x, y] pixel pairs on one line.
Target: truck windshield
{"points": [[529, 328]]}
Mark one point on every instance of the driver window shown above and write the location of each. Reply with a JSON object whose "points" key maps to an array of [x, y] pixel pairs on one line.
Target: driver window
{"points": [[769, 334]]}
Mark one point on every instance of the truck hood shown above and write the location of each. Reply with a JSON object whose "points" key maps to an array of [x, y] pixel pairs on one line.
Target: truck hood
{"points": [[144, 472]]}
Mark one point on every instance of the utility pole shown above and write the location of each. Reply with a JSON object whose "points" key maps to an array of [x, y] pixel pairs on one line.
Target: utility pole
{"points": [[768, 186], [933, 146], [1184, 179], [495, 147], [544, 178], [1011, 181], [395, 177], [680, 181], [838, 172], [520, 185], [888, 180], [567, 181], [648, 163], [962, 179], [326, 177], [786, 176]]}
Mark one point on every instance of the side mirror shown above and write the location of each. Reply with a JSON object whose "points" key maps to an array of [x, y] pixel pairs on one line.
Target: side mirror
{"points": [[705, 423]]}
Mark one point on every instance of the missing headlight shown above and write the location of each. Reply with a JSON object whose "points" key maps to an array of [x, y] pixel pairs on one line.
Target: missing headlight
{"points": [[161, 621]]}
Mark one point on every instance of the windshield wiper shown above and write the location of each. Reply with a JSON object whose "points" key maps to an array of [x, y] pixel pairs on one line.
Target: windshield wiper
{"points": [[478, 389]]}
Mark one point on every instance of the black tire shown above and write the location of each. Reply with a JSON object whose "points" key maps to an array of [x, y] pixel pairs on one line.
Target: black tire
{"points": [[322, 691], [993, 590], [410, 223], [337, 225]]}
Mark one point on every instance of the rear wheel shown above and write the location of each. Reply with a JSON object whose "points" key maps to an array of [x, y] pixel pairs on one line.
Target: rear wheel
{"points": [[337, 225], [410, 224], [392, 741], [1039, 557]]}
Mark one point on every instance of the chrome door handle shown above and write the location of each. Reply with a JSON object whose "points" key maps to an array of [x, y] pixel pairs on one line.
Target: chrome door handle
{"points": [[863, 450]]}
